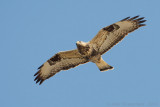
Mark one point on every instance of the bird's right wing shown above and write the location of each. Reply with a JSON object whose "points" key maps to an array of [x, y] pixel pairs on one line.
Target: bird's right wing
{"points": [[60, 61], [111, 35]]}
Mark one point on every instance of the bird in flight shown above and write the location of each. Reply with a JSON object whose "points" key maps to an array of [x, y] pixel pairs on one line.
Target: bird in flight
{"points": [[91, 51]]}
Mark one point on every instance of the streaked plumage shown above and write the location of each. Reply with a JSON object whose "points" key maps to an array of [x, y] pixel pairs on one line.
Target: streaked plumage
{"points": [[91, 51]]}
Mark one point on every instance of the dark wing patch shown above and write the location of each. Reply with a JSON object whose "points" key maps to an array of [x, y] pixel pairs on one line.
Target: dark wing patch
{"points": [[54, 59], [111, 28]]}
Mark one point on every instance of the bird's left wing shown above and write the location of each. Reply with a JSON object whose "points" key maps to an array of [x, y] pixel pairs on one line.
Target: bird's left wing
{"points": [[60, 61], [111, 35]]}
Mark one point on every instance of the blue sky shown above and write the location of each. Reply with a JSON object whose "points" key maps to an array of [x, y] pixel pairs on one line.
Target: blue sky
{"points": [[34, 30]]}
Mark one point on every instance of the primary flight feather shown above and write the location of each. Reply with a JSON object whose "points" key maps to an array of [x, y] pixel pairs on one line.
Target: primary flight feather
{"points": [[90, 51]]}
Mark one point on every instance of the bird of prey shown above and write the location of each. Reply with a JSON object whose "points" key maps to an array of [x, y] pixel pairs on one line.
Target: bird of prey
{"points": [[91, 51]]}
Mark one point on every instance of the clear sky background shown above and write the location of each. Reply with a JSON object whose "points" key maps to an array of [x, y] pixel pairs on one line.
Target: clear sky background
{"points": [[32, 31]]}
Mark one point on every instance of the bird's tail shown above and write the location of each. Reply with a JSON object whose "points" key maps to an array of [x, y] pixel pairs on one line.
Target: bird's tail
{"points": [[103, 66]]}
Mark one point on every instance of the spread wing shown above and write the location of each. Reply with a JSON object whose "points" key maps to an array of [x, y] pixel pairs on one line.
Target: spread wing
{"points": [[111, 35], [60, 61]]}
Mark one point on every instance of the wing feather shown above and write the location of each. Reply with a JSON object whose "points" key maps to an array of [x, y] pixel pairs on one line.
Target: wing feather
{"points": [[111, 35], [60, 61]]}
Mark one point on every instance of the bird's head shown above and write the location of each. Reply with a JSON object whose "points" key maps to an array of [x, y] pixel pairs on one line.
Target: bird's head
{"points": [[81, 43]]}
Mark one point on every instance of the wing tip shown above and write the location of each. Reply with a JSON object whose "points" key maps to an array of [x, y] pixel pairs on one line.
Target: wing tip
{"points": [[38, 78], [36, 73], [125, 18], [133, 18], [137, 19], [40, 66], [140, 25]]}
